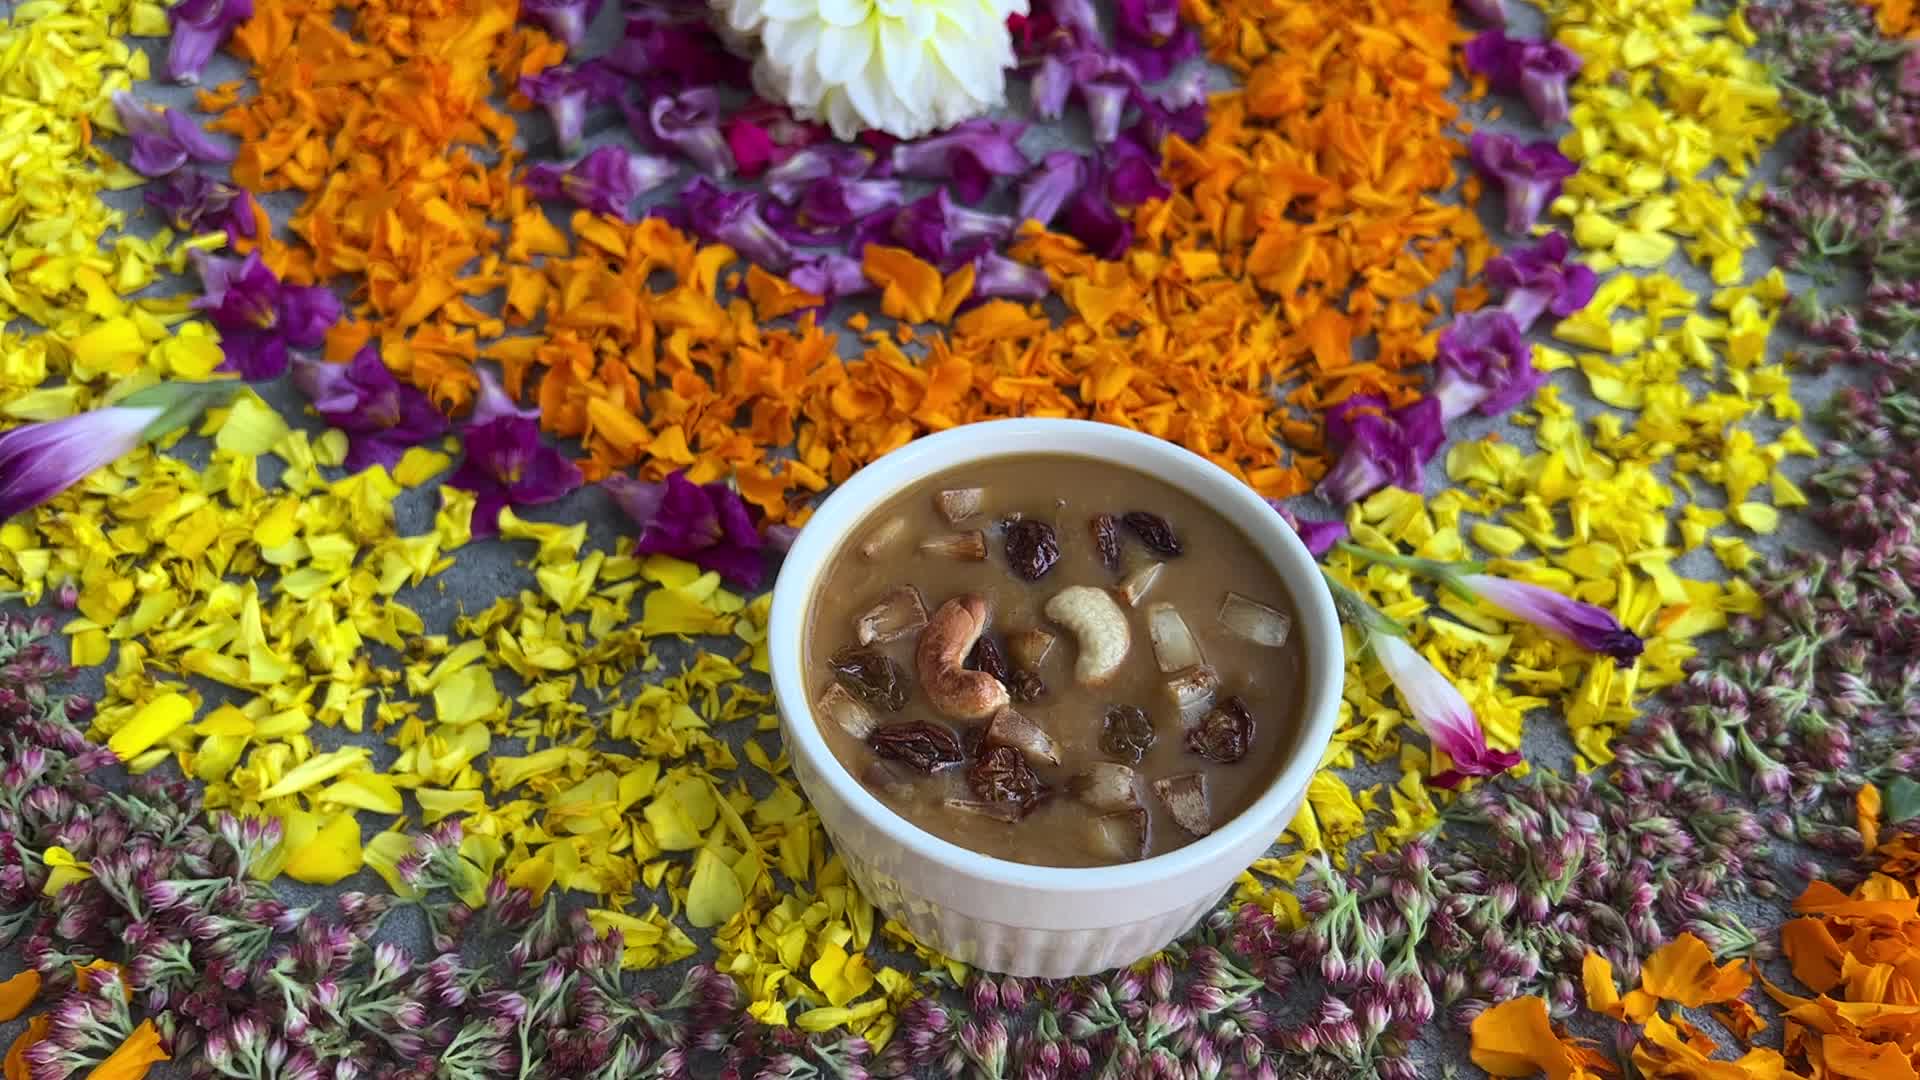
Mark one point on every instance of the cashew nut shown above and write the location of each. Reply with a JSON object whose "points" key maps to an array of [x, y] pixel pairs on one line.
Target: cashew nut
{"points": [[944, 644], [1100, 628]]}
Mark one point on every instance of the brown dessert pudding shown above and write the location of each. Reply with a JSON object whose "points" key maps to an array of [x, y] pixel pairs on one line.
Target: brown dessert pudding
{"points": [[1055, 660]]}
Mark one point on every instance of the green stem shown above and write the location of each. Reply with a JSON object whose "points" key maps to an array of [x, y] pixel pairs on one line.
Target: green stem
{"points": [[1446, 575]]}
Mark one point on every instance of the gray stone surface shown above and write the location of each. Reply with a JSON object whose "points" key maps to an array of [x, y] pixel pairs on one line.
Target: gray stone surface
{"points": [[489, 569]]}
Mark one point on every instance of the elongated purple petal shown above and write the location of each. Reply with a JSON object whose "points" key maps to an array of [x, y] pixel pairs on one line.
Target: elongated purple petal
{"points": [[199, 28], [1441, 712], [493, 403], [1592, 628], [567, 91], [947, 235], [1538, 278], [831, 276], [1491, 12], [732, 218], [39, 461], [1537, 70], [834, 202], [606, 181], [1484, 362], [790, 179]]}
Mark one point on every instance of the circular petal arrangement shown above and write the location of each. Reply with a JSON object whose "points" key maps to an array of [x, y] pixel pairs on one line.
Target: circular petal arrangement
{"points": [[421, 294]]}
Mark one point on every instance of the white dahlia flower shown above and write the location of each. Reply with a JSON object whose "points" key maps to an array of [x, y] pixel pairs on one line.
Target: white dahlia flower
{"points": [[905, 67]]}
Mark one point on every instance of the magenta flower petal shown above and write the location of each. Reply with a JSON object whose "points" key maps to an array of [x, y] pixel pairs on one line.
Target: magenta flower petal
{"points": [[164, 139], [1133, 174], [1530, 174], [1539, 279], [258, 317], [566, 20], [1379, 447], [680, 53], [193, 203], [1050, 86], [493, 403], [732, 218], [1484, 363], [690, 123], [831, 276], [505, 465], [567, 91], [1440, 711], [790, 179], [836, 203], [1539, 71], [970, 154], [382, 416], [1318, 536], [1592, 628], [709, 525], [1093, 218], [200, 27], [307, 313]]}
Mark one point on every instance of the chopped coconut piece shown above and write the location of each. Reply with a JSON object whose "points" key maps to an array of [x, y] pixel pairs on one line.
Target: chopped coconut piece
{"points": [[1106, 786], [899, 613], [1255, 621], [1174, 646], [1193, 692], [852, 714], [958, 504], [1120, 835], [966, 546], [1009, 728], [1186, 799]]}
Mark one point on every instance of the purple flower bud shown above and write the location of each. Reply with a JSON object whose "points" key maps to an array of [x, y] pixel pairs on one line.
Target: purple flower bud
{"points": [[1591, 628]]}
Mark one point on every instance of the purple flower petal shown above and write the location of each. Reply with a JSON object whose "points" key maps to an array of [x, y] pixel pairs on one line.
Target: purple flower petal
{"points": [[606, 181], [709, 525], [1441, 711], [1484, 363], [567, 91], [164, 139], [1157, 61], [1050, 86], [732, 218], [258, 317], [1093, 218], [1539, 279], [1106, 102], [947, 235], [831, 277], [1592, 628], [1537, 70], [566, 20], [995, 275], [1379, 447], [1058, 177], [1318, 536], [1148, 20], [200, 27], [307, 313], [493, 403], [505, 465], [970, 154], [1133, 174], [194, 203], [1491, 12], [383, 416], [790, 179], [1530, 174], [837, 202], [690, 123]]}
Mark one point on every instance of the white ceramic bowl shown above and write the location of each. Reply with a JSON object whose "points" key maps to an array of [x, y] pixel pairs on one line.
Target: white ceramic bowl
{"points": [[1006, 916]]}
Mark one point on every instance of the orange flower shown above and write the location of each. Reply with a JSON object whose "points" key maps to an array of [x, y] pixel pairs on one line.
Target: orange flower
{"points": [[15, 1065], [1683, 971]]}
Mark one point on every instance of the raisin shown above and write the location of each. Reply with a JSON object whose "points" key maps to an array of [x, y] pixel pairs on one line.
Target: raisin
{"points": [[1153, 531], [1106, 540], [1002, 775], [1126, 734], [1224, 734], [927, 747], [986, 656], [1026, 687], [871, 676], [1032, 548]]}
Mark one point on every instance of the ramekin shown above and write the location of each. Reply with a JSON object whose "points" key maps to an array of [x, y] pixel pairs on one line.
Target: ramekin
{"points": [[1005, 916]]}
